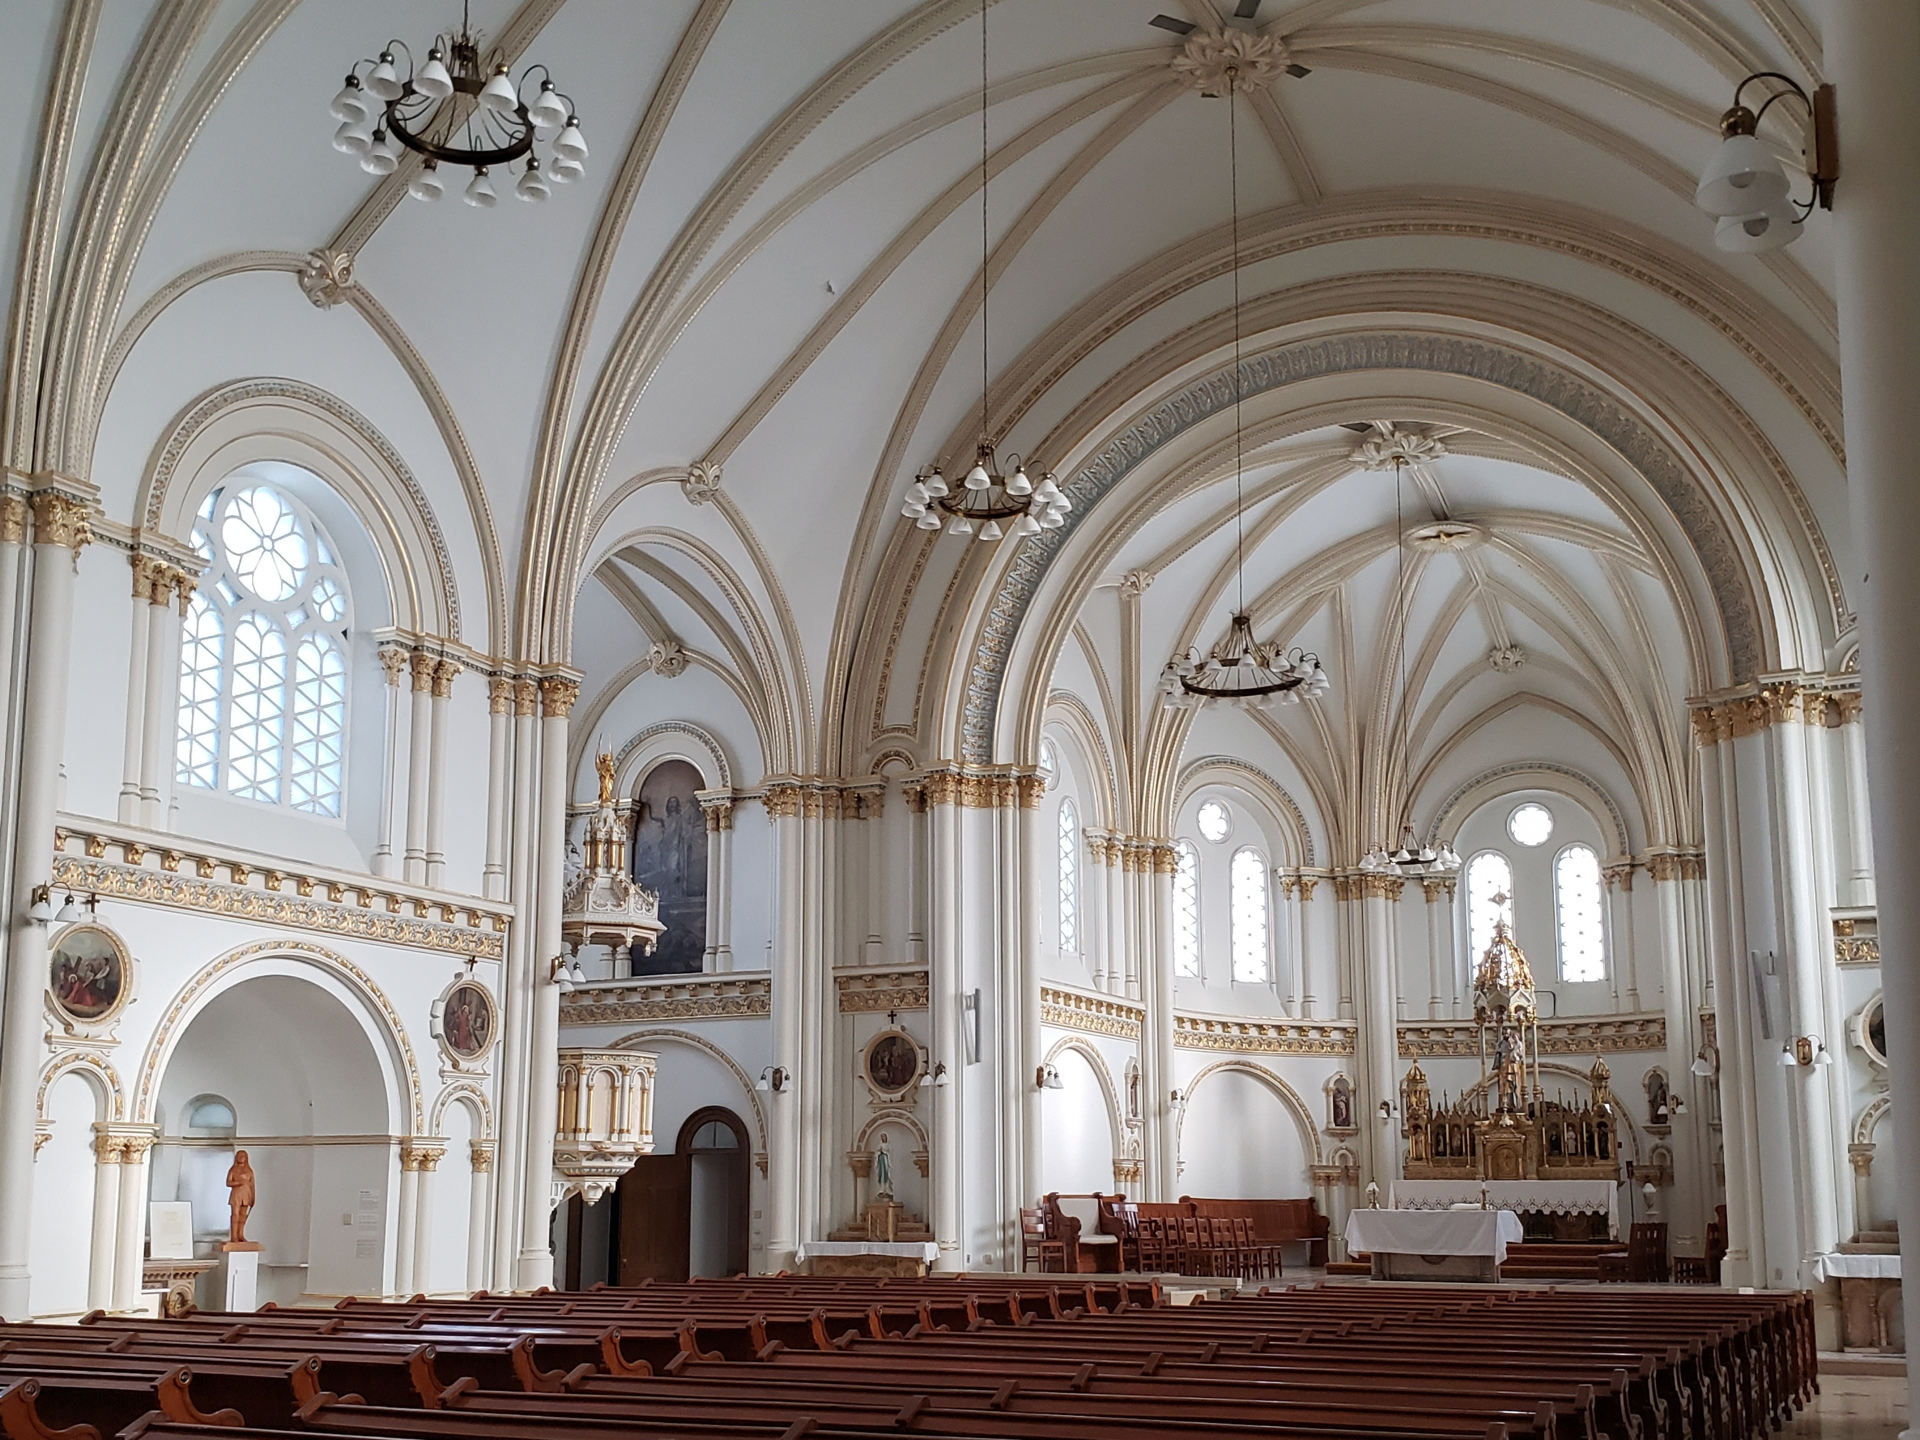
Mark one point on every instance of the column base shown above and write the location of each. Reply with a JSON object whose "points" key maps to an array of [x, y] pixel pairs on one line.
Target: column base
{"points": [[534, 1270], [14, 1302]]}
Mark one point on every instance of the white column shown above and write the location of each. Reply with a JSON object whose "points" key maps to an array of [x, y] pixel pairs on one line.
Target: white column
{"points": [[1093, 884], [493, 877], [427, 1162], [557, 697], [419, 765], [129, 1263], [717, 808], [1620, 932], [914, 793], [444, 674], [479, 1231], [1304, 885], [1031, 790], [407, 1222], [518, 990], [161, 674], [1120, 947], [1376, 985], [393, 664], [59, 530], [133, 749], [1853, 735], [1869, 48], [1440, 960], [1156, 893], [107, 1152], [947, 1015]]}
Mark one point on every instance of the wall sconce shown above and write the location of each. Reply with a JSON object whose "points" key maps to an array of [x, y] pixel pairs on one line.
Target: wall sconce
{"points": [[1176, 1098], [1386, 1112], [1805, 1050], [937, 1076], [40, 909], [566, 974], [774, 1078], [1677, 1106], [1744, 186], [1047, 1077], [1707, 1063]]}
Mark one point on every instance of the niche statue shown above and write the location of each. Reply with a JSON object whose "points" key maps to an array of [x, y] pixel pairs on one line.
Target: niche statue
{"points": [[239, 1200]]}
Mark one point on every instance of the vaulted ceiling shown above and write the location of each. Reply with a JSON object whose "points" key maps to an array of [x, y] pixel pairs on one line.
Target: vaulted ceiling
{"points": [[772, 270]]}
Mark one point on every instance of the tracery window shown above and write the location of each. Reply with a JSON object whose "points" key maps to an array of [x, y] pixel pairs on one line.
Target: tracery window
{"points": [[1252, 957], [1576, 894], [1069, 879], [1186, 910], [1488, 875], [263, 670]]}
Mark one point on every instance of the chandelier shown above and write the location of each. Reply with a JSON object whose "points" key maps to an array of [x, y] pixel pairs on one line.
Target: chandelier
{"points": [[987, 494], [1409, 860], [1240, 670], [459, 110]]}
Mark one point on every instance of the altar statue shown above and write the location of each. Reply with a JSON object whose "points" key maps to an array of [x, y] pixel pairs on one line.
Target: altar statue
{"points": [[883, 1170], [239, 1197], [1507, 1062], [604, 764]]}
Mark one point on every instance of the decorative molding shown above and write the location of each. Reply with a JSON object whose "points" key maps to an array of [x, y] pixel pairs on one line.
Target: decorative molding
{"points": [[869, 992], [701, 483], [1519, 769], [222, 398], [1190, 774], [326, 276], [1293, 364], [1262, 1037], [1663, 865], [1225, 61], [379, 912], [1856, 939], [1787, 700], [1616, 1033], [667, 659], [728, 997], [999, 789], [1091, 1014], [722, 773]]}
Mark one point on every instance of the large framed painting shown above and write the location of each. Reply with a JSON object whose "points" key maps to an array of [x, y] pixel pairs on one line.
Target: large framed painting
{"points": [[468, 1021], [87, 973], [670, 858], [892, 1062]]}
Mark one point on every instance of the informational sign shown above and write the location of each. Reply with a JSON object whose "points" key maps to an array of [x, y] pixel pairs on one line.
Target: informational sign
{"points": [[170, 1230]]}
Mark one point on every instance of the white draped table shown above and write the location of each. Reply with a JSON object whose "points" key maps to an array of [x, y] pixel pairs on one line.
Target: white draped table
{"points": [[1433, 1244], [1549, 1197], [867, 1257]]}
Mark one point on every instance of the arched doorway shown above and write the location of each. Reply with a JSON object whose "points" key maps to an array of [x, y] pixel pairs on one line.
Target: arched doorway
{"points": [[685, 1214], [715, 1140], [280, 1067]]}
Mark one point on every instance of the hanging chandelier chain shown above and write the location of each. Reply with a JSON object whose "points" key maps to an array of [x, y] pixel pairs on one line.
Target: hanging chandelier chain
{"points": [[1233, 186], [986, 430]]}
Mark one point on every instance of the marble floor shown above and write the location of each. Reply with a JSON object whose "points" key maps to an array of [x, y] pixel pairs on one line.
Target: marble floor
{"points": [[1854, 1407]]}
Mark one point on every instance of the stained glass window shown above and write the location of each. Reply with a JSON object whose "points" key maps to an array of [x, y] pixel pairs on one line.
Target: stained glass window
{"points": [[1069, 879], [1252, 959], [1488, 875], [1576, 893], [1186, 910], [263, 661]]}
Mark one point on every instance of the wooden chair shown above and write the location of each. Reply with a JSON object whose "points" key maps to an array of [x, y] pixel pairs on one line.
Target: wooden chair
{"points": [[1037, 1251]]}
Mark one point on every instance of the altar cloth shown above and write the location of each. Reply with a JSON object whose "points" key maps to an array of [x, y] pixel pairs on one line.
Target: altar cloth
{"points": [[1433, 1232], [1856, 1267], [926, 1250], [1551, 1197]]}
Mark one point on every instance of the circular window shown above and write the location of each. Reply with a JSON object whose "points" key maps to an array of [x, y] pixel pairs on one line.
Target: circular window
{"points": [[1049, 764], [1214, 822], [1530, 825], [265, 544]]}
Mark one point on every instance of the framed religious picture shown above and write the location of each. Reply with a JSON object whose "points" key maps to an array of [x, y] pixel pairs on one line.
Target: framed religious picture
{"points": [[468, 1021], [1870, 1030], [892, 1062], [87, 973]]}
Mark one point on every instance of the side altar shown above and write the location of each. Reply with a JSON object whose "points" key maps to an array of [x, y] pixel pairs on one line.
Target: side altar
{"points": [[1505, 1129]]}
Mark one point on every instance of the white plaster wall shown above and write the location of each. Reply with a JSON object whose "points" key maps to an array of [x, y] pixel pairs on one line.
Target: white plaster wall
{"points": [[1239, 1140], [1076, 1154], [63, 1200]]}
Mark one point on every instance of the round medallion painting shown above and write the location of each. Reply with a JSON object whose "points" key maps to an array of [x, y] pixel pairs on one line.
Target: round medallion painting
{"points": [[86, 972], [893, 1062], [467, 1021]]}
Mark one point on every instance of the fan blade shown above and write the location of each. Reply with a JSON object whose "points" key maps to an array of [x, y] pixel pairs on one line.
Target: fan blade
{"points": [[1362, 426], [1169, 22], [1246, 9]]}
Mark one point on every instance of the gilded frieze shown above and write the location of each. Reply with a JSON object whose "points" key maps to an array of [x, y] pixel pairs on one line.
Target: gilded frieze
{"points": [[1090, 1014], [1557, 1037], [695, 998], [875, 992], [1261, 1037]]}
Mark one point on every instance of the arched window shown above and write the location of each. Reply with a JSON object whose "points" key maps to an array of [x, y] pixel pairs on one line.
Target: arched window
{"points": [[1252, 960], [263, 661], [1488, 875], [1576, 896], [1186, 910], [1069, 879]]}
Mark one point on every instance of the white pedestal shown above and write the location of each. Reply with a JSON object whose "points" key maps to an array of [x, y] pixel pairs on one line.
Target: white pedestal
{"points": [[241, 1277]]}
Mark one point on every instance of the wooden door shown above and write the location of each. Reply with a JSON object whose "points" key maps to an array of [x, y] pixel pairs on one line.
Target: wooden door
{"points": [[656, 1216]]}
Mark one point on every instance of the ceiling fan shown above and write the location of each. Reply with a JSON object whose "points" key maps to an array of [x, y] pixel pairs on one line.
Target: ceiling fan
{"points": [[1244, 10]]}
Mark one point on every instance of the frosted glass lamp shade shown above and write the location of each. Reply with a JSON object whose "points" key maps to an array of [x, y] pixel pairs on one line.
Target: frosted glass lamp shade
{"points": [[1742, 177]]}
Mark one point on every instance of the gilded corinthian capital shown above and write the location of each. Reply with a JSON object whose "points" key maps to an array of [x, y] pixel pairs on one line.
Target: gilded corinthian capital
{"points": [[557, 696], [59, 520]]}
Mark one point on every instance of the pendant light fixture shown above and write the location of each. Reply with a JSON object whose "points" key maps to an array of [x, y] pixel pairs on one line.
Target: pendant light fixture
{"points": [[1409, 859], [1240, 670], [993, 490]]}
